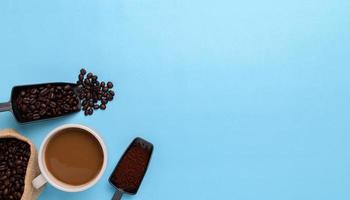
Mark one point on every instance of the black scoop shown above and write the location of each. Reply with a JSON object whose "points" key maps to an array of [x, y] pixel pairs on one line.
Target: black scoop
{"points": [[131, 168], [20, 116]]}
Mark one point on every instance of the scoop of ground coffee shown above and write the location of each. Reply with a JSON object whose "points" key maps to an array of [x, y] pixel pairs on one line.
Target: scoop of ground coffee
{"points": [[132, 167]]}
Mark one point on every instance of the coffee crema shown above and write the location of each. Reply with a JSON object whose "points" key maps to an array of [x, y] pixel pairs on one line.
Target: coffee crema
{"points": [[74, 156]]}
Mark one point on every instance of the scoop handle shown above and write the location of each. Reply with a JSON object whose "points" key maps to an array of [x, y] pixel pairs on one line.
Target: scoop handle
{"points": [[117, 195], [5, 106]]}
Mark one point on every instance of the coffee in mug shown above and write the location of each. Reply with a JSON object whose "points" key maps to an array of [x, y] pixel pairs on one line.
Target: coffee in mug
{"points": [[72, 158]]}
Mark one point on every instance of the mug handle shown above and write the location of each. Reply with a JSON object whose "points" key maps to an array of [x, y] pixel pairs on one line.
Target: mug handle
{"points": [[39, 181]]}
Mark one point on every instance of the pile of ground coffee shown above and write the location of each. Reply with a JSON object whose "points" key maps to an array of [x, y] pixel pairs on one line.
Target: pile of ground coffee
{"points": [[131, 168], [14, 157]]}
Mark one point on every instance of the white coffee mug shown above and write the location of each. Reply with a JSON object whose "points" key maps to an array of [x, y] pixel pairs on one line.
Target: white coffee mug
{"points": [[46, 176]]}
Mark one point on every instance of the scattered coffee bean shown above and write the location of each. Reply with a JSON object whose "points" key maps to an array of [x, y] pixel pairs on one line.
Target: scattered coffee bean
{"points": [[83, 71], [93, 94], [89, 75], [103, 106], [110, 85], [14, 156]]}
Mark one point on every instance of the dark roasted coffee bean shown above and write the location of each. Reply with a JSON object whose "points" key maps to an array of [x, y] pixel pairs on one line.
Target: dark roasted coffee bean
{"points": [[88, 95], [51, 96], [110, 84], [109, 97], [103, 106], [42, 112], [87, 82], [111, 92], [34, 91], [53, 104], [104, 101], [90, 111], [32, 107], [67, 88], [36, 116], [89, 75], [102, 84], [82, 71], [44, 92], [81, 77]]}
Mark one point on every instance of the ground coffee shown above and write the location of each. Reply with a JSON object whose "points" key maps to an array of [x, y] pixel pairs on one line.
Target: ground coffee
{"points": [[132, 167]]}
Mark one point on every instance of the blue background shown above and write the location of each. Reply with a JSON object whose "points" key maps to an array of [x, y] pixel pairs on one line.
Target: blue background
{"points": [[242, 99]]}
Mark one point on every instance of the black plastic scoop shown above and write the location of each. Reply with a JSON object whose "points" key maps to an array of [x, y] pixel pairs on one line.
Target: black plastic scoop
{"points": [[131, 168], [42, 101]]}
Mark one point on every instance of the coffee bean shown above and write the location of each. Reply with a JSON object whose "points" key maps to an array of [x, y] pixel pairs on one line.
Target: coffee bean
{"points": [[53, 104], [87, 82], [110, 85], [96, 106], [14, 156], [90, 111], [89, 75], [111, 92], [82, 71], [103, 106], [42, 112], [44, 92], [81, 77], [34, 91], [104, 101], [67, 88], [109, 97], [103, 84]]}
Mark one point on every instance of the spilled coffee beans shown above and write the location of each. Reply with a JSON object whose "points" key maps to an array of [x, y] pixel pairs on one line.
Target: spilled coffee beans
{"points": [[14, 157], [47, 101], [92, 93]]}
